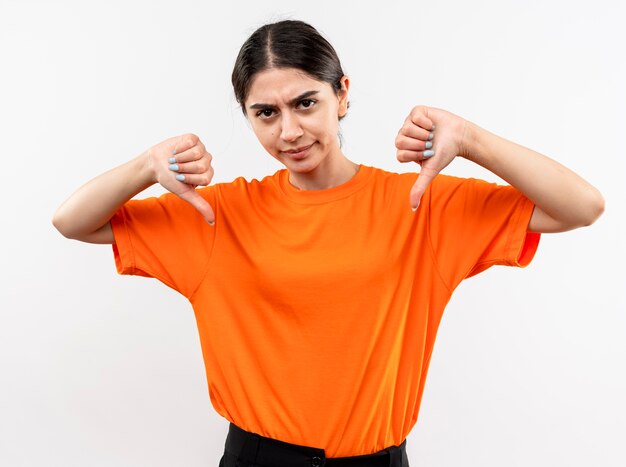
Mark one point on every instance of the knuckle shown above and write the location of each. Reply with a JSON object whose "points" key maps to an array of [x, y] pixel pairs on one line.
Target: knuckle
{"points": [[189, 140], [417, 113]]}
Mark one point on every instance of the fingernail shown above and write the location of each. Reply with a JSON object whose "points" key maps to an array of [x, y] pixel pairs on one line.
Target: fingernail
{"points": [[429, 153], [174, 167], [172, 160], [431, 136], [415, 208], [180, 178], [429, 144], [174, 152], [212, 223]]}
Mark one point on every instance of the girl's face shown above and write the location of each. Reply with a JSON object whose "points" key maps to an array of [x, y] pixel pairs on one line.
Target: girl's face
{"points": [[296, 118]]}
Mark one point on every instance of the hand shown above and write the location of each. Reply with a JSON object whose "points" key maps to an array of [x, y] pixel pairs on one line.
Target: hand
{"points": [[448, 132], [183, 157]]}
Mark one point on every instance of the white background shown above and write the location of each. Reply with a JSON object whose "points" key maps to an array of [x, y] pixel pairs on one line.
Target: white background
{"points": [[98, 369]]}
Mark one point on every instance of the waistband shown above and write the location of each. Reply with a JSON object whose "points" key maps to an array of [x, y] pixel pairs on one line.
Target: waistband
{"points": [[256, 449]]}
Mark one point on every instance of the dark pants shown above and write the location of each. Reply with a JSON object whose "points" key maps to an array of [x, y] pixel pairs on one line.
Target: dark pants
{"points": [[245, 449]]}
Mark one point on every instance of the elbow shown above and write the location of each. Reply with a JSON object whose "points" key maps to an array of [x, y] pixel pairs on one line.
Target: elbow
{"points": [[61, 224], [583, 213], [68, 226], [595, 206], [57, 222]]}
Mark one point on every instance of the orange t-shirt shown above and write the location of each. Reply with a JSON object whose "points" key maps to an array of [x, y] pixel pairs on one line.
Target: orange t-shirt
{"points": [[317, 310]]}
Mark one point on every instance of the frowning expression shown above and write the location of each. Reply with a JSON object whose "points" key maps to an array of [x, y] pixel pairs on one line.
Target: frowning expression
{"points": [[296, 117]]}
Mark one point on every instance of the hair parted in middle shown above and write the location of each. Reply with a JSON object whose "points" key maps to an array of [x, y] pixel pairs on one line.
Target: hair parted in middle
{"points": [[285, 44]]}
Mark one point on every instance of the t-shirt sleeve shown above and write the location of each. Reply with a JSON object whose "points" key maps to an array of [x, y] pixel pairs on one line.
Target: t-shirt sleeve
{"points": [[474, 224], [165, 238]]}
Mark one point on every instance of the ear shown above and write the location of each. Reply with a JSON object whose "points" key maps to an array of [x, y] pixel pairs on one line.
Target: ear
{"points": [[343, 96]]}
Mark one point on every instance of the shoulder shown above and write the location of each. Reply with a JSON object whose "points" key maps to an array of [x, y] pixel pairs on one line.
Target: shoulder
{"points": [[383, 175], [380, 175], [442, 185], [465, 185], [242, 187]]}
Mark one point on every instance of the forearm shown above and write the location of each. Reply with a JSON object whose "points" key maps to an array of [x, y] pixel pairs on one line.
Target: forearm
{"points": [[556, 190], [93, 204]]}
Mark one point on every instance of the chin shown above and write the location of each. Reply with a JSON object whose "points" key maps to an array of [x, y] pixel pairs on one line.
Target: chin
{"points": [[303, 166]]}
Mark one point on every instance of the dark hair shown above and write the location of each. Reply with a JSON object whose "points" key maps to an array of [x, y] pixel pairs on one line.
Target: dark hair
{"points": [[285, 44]]}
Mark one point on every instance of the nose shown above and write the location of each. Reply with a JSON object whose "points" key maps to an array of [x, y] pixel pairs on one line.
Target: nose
{"points": [[291, 129]]}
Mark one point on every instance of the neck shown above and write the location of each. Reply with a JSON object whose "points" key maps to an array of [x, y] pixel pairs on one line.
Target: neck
{"points": [[322, 178]]}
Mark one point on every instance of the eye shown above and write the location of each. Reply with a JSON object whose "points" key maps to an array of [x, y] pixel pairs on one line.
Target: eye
{"points": [[264, 113], [308, 103]]}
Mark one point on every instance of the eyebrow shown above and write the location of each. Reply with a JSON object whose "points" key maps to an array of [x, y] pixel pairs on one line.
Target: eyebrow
{"points": [[302, 96]]}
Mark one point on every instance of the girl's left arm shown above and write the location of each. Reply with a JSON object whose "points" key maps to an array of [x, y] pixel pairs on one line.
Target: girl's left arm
{"points": [[563, 200]]}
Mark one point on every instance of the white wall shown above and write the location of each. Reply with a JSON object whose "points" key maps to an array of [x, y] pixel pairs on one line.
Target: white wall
{"points": [[103, 370]]}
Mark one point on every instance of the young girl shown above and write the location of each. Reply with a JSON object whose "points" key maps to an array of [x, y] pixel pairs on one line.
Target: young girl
{"points": [[318, 290]]}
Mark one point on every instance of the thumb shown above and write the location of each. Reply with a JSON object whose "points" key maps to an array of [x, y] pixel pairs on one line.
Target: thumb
{"points": [[419, 187], [201, 204]]}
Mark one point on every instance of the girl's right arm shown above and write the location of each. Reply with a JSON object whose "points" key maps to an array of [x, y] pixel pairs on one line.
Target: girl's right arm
{"points": [[85, 215]]}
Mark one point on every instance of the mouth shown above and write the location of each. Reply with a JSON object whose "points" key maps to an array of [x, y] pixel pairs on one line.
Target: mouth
{"points": [[300, 152]]}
